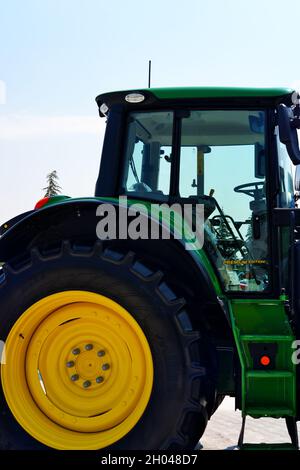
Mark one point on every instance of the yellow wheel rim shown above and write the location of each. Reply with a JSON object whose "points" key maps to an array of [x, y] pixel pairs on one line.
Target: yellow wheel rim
{"points": [[78, 371]]}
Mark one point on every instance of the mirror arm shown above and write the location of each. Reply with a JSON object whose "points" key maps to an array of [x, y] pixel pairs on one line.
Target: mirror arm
{"points": [[288, 132]]}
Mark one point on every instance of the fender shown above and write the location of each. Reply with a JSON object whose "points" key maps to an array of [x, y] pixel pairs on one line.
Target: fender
{"points": [[52, 221], [9, 223], [76, 220]]}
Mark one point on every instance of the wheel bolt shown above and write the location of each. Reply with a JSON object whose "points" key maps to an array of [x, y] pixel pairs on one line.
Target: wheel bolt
{"points": [[105, 366], [101, 353], [99, 380], [74, 377], [86, 384], [76, 351], [70, 364], [88, 347]]}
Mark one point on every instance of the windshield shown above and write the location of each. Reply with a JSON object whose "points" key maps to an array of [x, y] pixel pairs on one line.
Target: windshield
{"points": [[222, 166]]}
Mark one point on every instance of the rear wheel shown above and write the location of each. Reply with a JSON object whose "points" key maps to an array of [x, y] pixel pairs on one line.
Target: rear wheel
{"points": [[99, 353]]}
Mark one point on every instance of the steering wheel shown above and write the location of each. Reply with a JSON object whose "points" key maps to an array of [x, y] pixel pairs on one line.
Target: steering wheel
{"points": [[254, 190]]}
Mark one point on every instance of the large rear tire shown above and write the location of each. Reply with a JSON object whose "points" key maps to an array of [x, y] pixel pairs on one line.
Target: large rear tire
{"points": [[86, 327]]}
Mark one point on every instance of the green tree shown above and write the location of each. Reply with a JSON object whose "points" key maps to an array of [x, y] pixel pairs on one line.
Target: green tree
{"points": [[52, 188]]}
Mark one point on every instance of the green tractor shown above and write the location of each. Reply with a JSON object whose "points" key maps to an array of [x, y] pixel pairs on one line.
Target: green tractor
{"points": [[128, 341]]}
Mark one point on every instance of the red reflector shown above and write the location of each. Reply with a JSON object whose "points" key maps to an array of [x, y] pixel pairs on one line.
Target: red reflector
{"points": [[265, 360], [41, 203]]}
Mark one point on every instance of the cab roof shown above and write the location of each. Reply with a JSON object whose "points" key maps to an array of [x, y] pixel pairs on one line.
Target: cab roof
{"points": [[217, 92], [263, 96]]}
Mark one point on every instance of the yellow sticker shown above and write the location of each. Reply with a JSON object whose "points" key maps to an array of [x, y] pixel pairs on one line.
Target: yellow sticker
{"points": [[242, 262]]}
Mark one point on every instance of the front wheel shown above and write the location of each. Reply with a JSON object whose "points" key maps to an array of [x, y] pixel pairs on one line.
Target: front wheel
{"points": [[99, 353]]}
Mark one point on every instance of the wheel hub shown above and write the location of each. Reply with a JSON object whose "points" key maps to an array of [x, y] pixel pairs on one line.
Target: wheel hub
{"points": [[79, 371], [88, 361]]}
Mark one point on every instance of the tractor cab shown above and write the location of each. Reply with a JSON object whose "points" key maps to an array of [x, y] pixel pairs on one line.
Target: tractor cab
{"points": [[227, 153]]}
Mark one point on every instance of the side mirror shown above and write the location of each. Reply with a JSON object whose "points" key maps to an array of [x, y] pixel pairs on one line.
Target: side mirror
{"points": [[260, 161], [297, 179], [288, 132]]}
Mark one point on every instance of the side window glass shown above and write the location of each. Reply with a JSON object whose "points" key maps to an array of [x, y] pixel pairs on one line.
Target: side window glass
{"points": [[148, 154]]}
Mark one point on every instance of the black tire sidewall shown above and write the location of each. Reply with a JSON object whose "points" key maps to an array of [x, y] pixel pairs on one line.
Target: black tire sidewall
{"points": [[171, 392]]}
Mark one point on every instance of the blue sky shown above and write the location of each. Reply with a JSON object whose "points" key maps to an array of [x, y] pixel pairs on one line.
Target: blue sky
{"points": [[56, 56]]}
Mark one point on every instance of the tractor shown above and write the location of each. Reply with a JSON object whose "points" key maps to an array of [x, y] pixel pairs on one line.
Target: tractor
{"points": [[131, 342]]}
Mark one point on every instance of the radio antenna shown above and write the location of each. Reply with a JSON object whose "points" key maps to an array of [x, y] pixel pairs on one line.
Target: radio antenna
{"points": [[149, 74]]}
